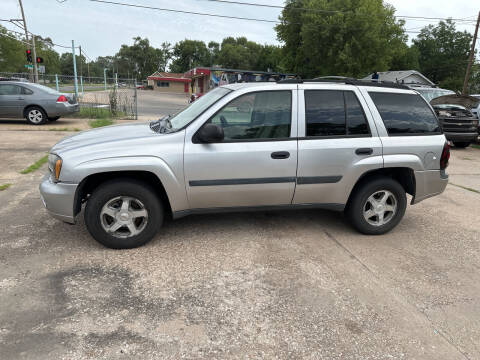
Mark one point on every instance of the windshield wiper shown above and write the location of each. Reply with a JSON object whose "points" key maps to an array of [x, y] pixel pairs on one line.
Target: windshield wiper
{"points": [[162, 125]]}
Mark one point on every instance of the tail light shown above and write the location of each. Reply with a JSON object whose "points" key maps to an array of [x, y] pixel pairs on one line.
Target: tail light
{"points": [[445, 157], [62, 98]]}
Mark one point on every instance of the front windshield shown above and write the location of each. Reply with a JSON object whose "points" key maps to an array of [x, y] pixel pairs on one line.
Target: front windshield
{"points": [[430, 94], [186, 116]]}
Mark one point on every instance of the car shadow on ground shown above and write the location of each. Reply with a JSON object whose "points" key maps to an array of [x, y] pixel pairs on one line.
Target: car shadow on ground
{"points": [[219, 225]]}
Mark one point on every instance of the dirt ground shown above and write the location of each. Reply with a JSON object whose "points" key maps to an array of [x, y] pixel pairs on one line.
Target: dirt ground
{"points": [[286, 285]]}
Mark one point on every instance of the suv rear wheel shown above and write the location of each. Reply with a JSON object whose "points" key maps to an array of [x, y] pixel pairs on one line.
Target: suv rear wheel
{"points": [[123, 214], [377, 206]]}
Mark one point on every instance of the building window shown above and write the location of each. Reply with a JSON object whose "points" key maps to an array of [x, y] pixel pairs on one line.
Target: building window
{"points": [[163, 84]]}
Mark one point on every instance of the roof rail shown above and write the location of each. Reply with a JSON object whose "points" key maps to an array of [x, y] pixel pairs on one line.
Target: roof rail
{"points": [[346, 80]]}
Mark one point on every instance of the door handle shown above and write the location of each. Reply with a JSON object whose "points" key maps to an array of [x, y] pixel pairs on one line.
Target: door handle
{"points": [[280, 155], [20, 98], [364, 151]]}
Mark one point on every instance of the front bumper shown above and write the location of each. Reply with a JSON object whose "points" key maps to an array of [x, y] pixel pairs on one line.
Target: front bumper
{"points": [[58, 198], [451, 136], [429, 183]]}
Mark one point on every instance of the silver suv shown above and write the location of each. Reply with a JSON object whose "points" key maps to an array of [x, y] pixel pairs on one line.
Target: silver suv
{"points": [[346, 145]]}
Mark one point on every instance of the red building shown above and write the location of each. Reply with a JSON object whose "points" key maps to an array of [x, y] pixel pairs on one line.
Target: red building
{"points": [[169, 82]]}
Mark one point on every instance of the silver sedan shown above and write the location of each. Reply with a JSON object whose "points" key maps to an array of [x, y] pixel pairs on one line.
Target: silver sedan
{"points": [[36, 103]]}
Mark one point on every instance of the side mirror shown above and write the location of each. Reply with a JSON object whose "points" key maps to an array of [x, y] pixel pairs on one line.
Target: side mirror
{"points": [[210, 133]]}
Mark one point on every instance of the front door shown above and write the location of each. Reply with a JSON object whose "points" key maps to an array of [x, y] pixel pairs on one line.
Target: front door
{"points": [[256, 163], [338, 143]]}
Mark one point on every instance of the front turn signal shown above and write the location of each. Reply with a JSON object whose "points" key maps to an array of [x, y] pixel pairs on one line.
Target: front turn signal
{"points": [[58, 168]]}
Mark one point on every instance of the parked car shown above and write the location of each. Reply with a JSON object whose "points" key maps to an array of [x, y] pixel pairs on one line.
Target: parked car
{"points": [[352, 147], [36, 103], [458, 123], [476, 110]]}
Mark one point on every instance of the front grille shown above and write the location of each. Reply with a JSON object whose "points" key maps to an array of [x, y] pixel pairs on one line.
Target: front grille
{"points": [[458, 125]]}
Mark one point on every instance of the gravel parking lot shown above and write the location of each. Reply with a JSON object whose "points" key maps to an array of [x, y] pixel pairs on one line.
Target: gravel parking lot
{"points": [[284, 285]]}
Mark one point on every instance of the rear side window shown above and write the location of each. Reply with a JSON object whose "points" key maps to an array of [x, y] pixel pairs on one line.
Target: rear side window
{"points": [[10, 89], [26, 91], [334, 113], [405, 114]]}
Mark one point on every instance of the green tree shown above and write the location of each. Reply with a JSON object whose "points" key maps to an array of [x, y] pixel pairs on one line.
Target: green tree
{"points": [[138, 60], [443, 53], [12, 52], [339, 37], [188, 54], [51, 59], [166, 56], [239, 53]]}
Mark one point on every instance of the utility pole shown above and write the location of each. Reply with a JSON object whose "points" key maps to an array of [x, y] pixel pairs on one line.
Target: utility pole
{"points": [[81, 65], [472, 55], [33, 38], [74, 69], [35, 69]]}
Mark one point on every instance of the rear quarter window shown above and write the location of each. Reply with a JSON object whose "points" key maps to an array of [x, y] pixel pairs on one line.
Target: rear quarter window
{"points": [[405, 114]]}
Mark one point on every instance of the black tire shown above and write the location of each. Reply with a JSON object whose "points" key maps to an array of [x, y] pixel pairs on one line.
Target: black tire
{"points": [[358, 201], [55, 118], [461, 144], [35, 115], [104, 194]]}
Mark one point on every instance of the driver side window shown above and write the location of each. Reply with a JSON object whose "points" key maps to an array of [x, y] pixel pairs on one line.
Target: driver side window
{"points": [[256, 116]]}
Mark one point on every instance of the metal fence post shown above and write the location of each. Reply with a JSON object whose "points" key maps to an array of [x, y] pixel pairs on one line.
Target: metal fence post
{"points": [[136, 100], [105, 77], [81, 83], [56, 81], [74, 69]]}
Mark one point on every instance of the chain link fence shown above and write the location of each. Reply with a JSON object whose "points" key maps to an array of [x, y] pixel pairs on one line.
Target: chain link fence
{"points": [[97, 96]]}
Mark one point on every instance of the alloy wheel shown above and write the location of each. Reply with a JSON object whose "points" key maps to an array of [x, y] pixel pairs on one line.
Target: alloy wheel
{"points": [[123, 217], [35, 116], [380, 208]]}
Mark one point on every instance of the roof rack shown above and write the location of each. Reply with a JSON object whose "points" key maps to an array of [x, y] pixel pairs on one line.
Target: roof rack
{"points": [[346, 80]]}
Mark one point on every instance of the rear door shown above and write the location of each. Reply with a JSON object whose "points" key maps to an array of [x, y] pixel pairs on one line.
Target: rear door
{"points": [[338, 141], [12, 100], [256, 163], [408, 128]]}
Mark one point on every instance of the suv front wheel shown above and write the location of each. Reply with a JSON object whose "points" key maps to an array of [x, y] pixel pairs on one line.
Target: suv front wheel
{"points": [[377, 206], [123, 214]]}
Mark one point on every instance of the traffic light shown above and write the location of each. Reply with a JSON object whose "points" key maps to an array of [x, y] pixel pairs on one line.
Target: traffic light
{"points": [[39, 60], [29, 55]]}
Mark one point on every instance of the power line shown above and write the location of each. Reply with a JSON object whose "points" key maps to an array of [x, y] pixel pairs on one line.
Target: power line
{"points": [[41, 40], [183, 11], [14, 38], [227, 16], [330, 11]]}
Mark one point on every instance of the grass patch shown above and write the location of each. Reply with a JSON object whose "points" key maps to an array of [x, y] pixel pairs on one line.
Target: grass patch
{"points": [[92, 113], [96, 113], [35, 166], [466, 188], [100, 122], [64, 129], [475, 146], [5, 186]]}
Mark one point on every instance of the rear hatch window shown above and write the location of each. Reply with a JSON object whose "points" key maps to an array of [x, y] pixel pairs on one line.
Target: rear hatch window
{"points": [[405, 114]]}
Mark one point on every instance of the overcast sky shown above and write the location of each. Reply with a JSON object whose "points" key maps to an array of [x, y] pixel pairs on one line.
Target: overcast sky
{"points": [[102, 28]]}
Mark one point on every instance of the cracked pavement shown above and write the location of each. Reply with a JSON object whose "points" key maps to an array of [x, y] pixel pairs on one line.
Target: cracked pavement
{"points": [[276, 285]]}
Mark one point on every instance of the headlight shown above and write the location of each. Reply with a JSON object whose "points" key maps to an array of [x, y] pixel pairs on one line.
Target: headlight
{"points": [[54, 165]]}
